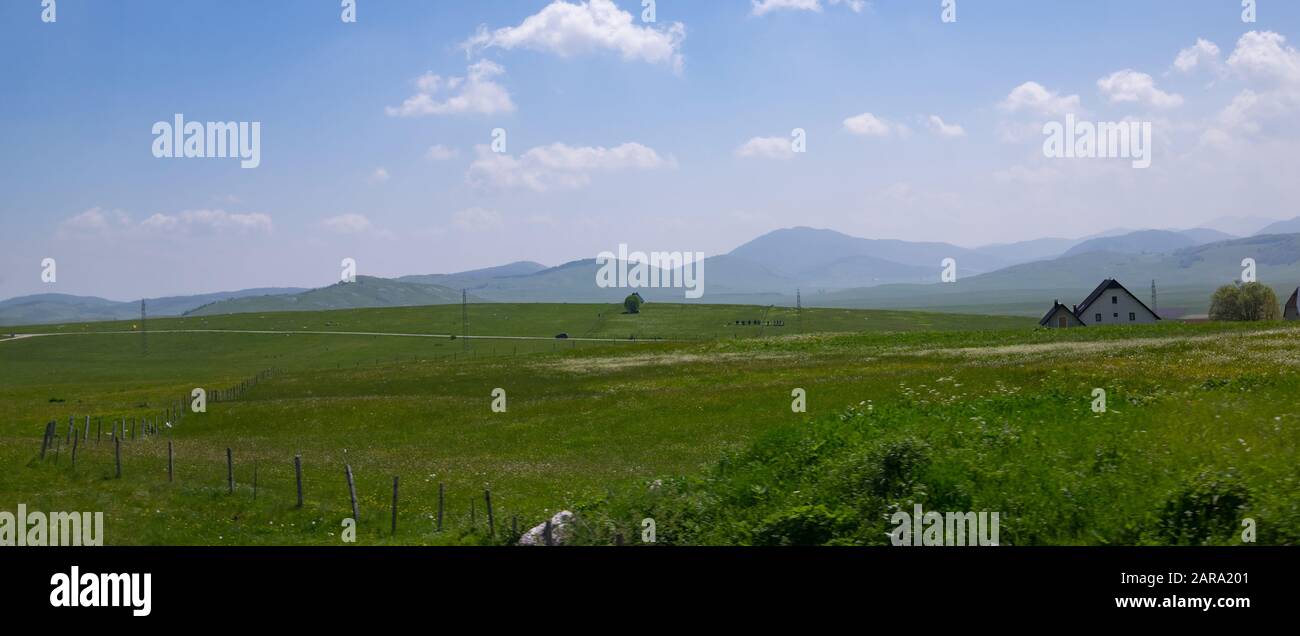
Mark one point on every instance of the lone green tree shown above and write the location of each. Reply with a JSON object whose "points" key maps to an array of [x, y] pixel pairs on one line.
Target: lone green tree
{"points": [[1248, 302], [632, 304]]}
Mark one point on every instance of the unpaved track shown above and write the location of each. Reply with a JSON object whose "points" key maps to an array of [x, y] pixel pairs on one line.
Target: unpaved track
{"points": [[330, 333]]}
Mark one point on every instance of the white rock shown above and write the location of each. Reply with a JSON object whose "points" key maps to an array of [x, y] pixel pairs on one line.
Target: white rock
{"points": [[559, 530]]}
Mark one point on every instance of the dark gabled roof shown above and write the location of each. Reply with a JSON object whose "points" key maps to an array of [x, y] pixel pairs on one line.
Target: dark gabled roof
{"points": [[1056, 304], [1108, 284], [1291, 302]]}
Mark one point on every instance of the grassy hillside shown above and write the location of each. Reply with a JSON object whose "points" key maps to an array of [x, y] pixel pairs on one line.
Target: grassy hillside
{"points": [[366, 291], [51, 308], [1186, 278], [656, 321], [997, 415]]}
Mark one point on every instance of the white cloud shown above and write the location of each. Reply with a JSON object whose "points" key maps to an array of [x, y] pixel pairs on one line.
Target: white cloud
{"points": [[869, 125], [766, 148], [945, 130], [1202, 55], [94, 221], [1129, 85], [209, 219], [1035, 98], [380, 175], [558, 166], [762, 7], [1266, 56], [567, 30], [475, 93], [477, 220], [1262, 58], [347, 224], [440, 152]]}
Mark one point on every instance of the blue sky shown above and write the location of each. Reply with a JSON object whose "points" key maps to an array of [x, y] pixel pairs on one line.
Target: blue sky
{"points": [[618, 131]]}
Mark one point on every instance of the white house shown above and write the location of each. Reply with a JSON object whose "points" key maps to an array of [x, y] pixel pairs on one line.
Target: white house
{"points": [[1109, 304]]}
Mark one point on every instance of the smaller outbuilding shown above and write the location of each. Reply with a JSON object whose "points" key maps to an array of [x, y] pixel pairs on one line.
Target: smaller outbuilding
{"points": [[1060, 317]]}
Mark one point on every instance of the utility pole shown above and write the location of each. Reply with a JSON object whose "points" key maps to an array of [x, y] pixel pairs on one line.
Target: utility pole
{"points": [[798, 308], [144, 335], [464, 320]]}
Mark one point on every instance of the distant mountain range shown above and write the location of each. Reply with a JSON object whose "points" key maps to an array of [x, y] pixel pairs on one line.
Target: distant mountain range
{"points": [[51, 308], [829, 269]]}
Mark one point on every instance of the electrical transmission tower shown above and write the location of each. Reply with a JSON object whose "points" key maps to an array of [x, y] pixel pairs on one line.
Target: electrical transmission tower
{"points": [[1155, 306]]}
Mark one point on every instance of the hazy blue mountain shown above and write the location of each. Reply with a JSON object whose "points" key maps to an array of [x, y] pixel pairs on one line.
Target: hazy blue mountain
{"points": [[367, 291], [1239, 225], [801, 251], [1135, 243], [1281, 227], [461, 280], [1203, 235], [1185, 278], [1028, 251], [57, 308]]}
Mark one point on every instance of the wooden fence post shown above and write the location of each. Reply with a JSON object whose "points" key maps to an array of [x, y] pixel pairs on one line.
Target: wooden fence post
{"points": [[487, 496], [352, 493], [75, 439], [99, 426], [117, 455], [394, 504], [45, 439], [297, 470], [230, 472]]}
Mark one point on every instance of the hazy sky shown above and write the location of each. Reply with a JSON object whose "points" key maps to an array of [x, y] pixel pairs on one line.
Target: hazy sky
{"points": [[671, 135]]}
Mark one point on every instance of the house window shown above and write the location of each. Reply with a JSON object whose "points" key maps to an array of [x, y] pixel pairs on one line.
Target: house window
{"points": [[1115, 315], [1098, 317], [1132, 316], [1114, 300]]}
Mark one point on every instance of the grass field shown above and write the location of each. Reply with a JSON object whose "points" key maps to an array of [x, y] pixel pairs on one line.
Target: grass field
{"points": [[986, 413]]}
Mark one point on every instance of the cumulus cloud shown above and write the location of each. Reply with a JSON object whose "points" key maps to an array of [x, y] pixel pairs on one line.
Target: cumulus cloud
{"points": [[94, 221], [380, 175], [475, 93], [1131, 86], [440, 152], [1265, 55], [1202, 55], [868, 125], [347, 224], [201, 220], [567, 30], [766, 148], [763, 7], [477, 220], [1034, 98], [558, 166], [1273, 100], [942, 129]]}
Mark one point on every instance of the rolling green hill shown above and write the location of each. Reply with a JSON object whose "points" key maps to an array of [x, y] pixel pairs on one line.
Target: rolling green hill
{"points": [[367, 291], [52, 308], [1185, 279]]}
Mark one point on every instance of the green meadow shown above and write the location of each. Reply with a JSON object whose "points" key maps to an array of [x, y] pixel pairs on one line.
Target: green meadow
{"points": [[676, 414]]}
